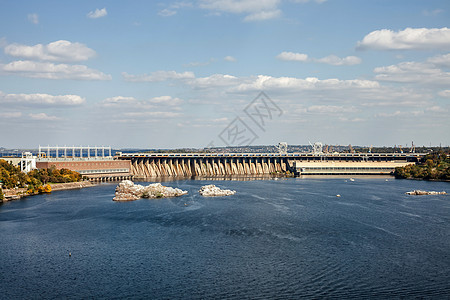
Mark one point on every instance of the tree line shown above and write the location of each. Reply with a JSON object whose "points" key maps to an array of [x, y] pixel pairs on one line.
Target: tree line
{"points": [[36, 181], [434, 166]]}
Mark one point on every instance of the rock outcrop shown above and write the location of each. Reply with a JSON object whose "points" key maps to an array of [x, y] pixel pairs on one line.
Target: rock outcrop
{"points": [[128, 191], [212, 191], [419, 192]]}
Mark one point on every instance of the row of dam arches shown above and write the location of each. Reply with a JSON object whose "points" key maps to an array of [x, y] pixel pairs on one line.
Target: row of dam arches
{"points": [[205, 166]]}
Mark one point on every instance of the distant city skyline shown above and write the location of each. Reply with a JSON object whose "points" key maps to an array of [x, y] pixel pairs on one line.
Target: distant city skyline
{"points": [[181, 74]]}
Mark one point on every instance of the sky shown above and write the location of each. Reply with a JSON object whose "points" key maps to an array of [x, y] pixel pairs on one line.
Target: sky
{"points": [[202, 73]]}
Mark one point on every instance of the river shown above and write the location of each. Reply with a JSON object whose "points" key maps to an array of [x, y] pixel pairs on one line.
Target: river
{"points": [[274, 239]]}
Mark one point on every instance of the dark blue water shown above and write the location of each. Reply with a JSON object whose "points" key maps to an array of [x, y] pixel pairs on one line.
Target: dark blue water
{"points": [[274, 239]]}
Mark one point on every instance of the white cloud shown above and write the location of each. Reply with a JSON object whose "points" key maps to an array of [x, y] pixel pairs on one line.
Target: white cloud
{"points": [[345, 119], [255, 10], [166, 12], [41, 99], [43, 117], [437, 109], [213, 81], [291, 56], [400, 114], [10, 115], [263, 82], [306, 1], [33, 18], [149, 103], [160, 114], [62, 51], [157, 76], [118, 100], [229, 58], [166, 100], [46, 70], [330, 109], [432, 13], [331, 59], [98, 13], [413, 72], [408, 39], [444, 93], [263, 15], [440, 60], [172, 8], [180, 4], [337, 61]]}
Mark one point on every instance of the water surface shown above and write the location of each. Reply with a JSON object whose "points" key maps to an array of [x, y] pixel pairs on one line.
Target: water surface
{"points": [[274, 239]]}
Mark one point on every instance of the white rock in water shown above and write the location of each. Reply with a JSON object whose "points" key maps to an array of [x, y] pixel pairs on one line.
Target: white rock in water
{"points": [[128, 191], [212, 191], [419, 192]]}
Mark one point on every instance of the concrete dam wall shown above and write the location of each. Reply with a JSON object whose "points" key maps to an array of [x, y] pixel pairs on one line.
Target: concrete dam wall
{"points": [[207, 166]]}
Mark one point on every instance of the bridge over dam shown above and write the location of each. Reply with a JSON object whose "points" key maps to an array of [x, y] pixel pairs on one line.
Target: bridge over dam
{"points": [[145, 165]]}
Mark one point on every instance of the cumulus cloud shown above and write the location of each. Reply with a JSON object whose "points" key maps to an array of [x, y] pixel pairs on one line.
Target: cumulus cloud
{"points": [[47, 70], [413, 72], [399, 114], [345, 119], [254, 10], [444, 93], [10, 115], [61, 51], [263, 15], [33, 18], [43, 117], [41, 99], [432, 13], [330, 109], [263, 82], [213, 81], [407, 39], [345, 95], [437, 109], [166, 100], [166, 12], [291, 56], [160, 114], [337, 61], [118, 100], [98, 13], [440, 60], [229, 59], [149, 103], [158, 76], [306, 1], [331, 59]]}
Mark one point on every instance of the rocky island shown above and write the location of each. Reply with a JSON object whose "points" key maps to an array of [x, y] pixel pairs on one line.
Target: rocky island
{"points": [[128, 191], [212, 191]]}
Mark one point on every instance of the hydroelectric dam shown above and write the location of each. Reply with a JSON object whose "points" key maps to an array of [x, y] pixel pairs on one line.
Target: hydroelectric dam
{"points": [[145, 165]]}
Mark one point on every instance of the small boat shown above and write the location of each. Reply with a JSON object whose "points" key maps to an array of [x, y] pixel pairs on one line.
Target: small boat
{"points": [[351, 179], [338, 195]]}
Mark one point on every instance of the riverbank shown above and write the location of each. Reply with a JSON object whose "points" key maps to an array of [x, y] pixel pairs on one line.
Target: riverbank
{"points": [[18, 193]]}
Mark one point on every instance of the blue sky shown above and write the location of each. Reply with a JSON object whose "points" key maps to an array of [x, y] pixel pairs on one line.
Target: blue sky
{"points": [[170, 74]]}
